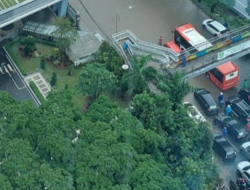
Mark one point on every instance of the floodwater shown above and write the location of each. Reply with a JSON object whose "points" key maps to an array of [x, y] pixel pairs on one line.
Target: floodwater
{"points": [[147, 19]]}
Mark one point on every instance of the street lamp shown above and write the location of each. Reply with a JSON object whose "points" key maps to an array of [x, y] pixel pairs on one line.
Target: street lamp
{"points": [[117, 15]]}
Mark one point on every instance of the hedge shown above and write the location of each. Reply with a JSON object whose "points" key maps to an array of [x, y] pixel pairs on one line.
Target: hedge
{"points": [[36, 91]]}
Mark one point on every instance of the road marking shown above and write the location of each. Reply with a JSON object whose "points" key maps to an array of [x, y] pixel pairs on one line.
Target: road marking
{"points": [[10, 68], [1, 70], [19, 88]]}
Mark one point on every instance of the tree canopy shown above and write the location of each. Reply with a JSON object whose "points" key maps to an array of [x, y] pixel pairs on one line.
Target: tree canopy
{"points": [[150, 146]]}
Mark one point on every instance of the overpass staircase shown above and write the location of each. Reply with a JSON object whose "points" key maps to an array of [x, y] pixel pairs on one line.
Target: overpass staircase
{"points": [[229, 47]]}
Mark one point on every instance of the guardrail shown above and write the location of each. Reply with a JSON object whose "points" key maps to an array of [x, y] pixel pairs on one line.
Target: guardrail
{"points": [[148, 47]]}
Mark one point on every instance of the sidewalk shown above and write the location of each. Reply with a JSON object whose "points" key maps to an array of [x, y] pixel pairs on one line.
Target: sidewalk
{"points": [[40, 82]]}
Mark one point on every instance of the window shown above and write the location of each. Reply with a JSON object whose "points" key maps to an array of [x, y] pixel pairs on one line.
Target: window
{"points": [[183, 42], [217, 74], [247, 175], [231, 75]]}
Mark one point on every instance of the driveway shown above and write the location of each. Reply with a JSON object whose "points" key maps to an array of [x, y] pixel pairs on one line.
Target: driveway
{"points": [[11, 82]]}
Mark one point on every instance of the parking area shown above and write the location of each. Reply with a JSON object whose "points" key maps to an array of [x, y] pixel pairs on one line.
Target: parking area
{"points": [[11, 82]]}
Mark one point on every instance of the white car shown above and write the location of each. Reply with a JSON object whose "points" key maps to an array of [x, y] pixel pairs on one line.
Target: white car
{"points": [[214, 27], [245, 149], [244, 170], [194, 113]]}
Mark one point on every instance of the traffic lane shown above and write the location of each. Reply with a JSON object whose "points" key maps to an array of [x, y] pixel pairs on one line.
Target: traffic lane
{"points": [[19, 93], [227, 168], [148, 19], [12, 82], [244, 67]]}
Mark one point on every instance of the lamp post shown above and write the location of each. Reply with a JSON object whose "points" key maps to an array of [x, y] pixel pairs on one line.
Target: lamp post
{"points": [[117, 15]]}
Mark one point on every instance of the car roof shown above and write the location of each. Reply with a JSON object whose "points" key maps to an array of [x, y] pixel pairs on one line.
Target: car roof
{"points": [[227, 68], [202, 91], [244, 106], [225, 144], [246, 144], [218, 25], [245, 89], [223, 117], [233, 99], [209, 99], [243, 164]]}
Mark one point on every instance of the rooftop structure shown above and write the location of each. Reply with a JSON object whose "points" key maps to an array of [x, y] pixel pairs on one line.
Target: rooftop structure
{"points": [[7, 5], [85, 45], [14, 10]]}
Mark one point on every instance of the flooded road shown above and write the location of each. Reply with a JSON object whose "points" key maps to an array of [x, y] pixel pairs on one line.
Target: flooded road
{"points": [[148, 20]]}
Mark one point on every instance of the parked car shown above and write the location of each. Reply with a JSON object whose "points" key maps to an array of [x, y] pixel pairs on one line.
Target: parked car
{"points": [[245, 149], [244, 94], [239, 108], [194, 113], [234, 130], [206, 101], [244, 169], [214, 27], [223, 148]]}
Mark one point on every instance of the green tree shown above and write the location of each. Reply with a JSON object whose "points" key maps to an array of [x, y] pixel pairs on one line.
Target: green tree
{"points": [[5, 184], [95, 79], [135, 80], [112, 60], [65, 35], [153, 110], [42, 63], [29, 43], [53, 79], [175, 87]]}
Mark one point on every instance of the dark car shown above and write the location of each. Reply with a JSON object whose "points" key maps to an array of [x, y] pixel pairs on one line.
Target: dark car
{"points": [[237, 132], [223, 148], [206, 101], [244, 94], [239, 108]]}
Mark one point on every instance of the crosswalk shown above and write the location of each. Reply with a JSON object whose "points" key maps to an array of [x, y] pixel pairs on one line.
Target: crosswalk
{"points": [[6, 69]]}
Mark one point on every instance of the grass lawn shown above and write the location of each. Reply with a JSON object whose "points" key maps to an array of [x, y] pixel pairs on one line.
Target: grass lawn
{"points": [[31, 65]]}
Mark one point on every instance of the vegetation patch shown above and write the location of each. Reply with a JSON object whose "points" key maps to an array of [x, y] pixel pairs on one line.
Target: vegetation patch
{"points": [[37, 92], [221, 10]]}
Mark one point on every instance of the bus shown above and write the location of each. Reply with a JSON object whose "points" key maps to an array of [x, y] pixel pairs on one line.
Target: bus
{"points": [[224, 76], [186, 36]]}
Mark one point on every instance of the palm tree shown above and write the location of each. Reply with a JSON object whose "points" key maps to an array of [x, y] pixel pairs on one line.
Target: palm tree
{"points": [[135, 80]]}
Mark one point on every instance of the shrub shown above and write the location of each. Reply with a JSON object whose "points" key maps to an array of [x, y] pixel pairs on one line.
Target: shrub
{"points": [[36, 91], [53, 79], [42, 64]]}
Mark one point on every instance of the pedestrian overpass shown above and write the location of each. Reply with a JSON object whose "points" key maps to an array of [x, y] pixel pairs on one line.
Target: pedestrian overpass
{"points": [[229, 47]]}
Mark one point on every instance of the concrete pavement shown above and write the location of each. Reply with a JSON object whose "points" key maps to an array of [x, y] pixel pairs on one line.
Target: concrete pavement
{"points": [[40, 82]]}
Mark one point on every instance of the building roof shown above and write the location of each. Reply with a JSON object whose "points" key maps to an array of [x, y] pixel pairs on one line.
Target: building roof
{"points": [[85, 45], [23, 9], [227, 68]]}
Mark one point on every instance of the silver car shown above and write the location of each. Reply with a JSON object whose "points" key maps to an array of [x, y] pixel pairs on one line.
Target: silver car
{"points": [[245, 149], [244, 170], [214, 27]]}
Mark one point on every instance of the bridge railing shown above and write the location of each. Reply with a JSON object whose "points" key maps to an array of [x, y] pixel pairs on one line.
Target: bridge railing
{"points": [[156, 55], [209, 61], [217, 41], [128, 34]]}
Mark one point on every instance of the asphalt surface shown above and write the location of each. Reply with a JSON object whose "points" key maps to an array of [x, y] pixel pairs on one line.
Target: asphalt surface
{"points": [[150, 19], [11, 82]]}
